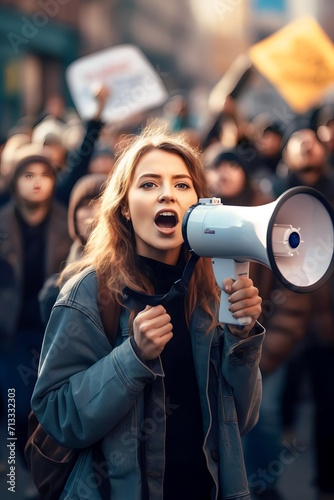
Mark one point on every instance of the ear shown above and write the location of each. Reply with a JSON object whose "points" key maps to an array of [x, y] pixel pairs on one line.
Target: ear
{"points": [[126, 213]]}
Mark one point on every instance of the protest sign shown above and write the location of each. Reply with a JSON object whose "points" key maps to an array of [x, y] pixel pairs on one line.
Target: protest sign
{"points": [[298, 60], [134, 84]]}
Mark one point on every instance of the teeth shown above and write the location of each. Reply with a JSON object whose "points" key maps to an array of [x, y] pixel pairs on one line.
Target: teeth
{"points": [[167, 214]]}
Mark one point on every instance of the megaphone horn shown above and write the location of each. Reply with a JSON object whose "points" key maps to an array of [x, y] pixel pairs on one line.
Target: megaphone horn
{"points": [[293, 236]]}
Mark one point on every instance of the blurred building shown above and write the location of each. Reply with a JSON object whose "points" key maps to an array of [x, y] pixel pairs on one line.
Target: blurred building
{"points": [[266, 16], [38, 40], [191, 43]]}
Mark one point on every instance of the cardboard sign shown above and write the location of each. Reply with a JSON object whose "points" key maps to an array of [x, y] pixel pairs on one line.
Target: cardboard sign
{"points": [[134, 84], [298, 60]]}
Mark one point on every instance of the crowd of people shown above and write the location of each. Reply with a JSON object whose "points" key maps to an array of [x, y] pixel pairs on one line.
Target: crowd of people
{"points": [[78, 196]]}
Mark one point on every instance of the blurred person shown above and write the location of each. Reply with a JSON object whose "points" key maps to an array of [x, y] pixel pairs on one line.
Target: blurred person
{"points": [[122, 135], [223, 102], [300, 330], [49, 133], [23, 125], [55, 107], [193, 137], [3, 194], [230, 178], [172, 365], [326, 135], [304, 163], [83, 206], [267, 140], [10, 147], [268, 144], [3, 139], [56, 150], [34, 243], [102, 160], [77, 161], [227, 130], [74, 132], [8, 159], [177, 113]]}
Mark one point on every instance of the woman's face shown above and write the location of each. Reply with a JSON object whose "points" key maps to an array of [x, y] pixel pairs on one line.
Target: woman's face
{"points": [[160, 193]]}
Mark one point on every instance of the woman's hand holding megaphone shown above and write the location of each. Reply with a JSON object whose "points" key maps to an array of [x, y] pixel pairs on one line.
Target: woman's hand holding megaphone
{"points": [[245, 302]]}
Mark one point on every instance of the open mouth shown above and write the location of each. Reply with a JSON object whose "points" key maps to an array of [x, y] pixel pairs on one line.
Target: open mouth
{"points": [[166, 220]]}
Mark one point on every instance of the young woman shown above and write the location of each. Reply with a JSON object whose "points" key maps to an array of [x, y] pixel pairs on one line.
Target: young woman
{"points": [[168, 403]]}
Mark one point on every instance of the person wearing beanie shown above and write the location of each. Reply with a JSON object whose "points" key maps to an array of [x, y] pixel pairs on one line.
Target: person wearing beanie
{"points": [[229, 176], [34, 243]]}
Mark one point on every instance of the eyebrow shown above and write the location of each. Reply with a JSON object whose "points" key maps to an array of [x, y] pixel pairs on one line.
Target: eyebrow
{"points": [[33, 172], [158, 176]]}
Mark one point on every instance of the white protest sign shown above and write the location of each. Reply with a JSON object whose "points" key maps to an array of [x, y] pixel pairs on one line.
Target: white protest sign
{"points": [[134, 84]]}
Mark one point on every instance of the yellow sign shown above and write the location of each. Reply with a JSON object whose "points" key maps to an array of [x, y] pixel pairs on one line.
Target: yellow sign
{"points": [[298, 60]]}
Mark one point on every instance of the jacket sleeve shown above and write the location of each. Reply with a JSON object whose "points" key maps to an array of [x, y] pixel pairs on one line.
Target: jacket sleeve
{"points": [[240, 365], [85, 387], [77, 162]]}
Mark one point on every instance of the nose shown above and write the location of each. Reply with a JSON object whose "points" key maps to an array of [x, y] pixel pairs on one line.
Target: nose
{"points": [[37, 181], [166, 197]]}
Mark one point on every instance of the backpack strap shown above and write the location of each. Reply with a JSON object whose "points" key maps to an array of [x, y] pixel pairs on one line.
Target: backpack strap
{"points": [[110, 313]]}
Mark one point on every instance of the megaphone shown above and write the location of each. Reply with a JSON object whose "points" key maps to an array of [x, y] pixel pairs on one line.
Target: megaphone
{"points": [[293, 236]]}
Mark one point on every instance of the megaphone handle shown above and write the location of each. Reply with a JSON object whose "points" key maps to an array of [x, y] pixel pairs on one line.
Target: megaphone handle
{"points": [[229, 268]]}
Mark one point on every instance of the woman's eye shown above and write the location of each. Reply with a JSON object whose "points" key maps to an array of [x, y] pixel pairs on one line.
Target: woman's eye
{"points": [[182, 185], [147, 185]]}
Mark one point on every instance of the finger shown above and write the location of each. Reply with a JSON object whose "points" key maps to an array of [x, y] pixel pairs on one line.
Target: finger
{"points": [[243, 294], [227, 285], [158, 324], [152, 311], [247, 307], [152, 320], [231, 285], [241, 283]]}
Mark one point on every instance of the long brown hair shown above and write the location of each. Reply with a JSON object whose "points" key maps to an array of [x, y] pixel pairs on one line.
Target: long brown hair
{"points": [[111, 248]]}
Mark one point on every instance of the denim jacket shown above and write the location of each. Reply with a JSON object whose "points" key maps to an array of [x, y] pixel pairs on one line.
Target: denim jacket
{"points": [[89, 392]]}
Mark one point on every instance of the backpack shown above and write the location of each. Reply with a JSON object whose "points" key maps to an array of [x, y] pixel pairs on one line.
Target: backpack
{"points": [[50, 463]]}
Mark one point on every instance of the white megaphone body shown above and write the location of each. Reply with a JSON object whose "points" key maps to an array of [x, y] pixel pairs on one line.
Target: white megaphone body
{"points": [[293, 236]]}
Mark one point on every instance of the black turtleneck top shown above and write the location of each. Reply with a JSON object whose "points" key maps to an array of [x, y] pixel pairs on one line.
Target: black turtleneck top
{"points": [[186, 473]]}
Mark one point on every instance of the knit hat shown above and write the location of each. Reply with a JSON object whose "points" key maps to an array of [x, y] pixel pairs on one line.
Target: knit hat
{"points": [[232, 155], [19, 167]]}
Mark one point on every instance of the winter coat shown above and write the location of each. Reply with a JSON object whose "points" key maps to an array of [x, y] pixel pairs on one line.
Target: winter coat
{"points": [[11, 260]]}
